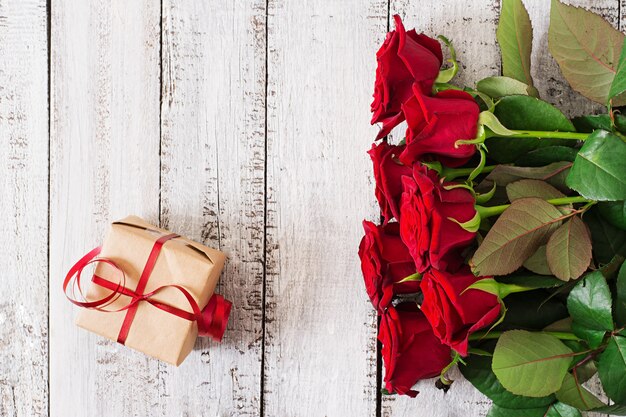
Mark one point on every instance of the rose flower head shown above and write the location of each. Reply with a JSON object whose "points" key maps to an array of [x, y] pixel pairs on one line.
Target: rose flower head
{"points": [[436, 123], [454, 312], [404, 59], [385, 261], [430, 215], [410, 349], [388, 172]]}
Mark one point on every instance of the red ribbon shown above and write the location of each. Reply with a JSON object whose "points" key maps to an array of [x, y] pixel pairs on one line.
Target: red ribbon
{"points": [[211, 320]]}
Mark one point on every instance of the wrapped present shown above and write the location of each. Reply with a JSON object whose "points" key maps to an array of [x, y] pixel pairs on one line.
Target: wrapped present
{"points": [[151, 290]]}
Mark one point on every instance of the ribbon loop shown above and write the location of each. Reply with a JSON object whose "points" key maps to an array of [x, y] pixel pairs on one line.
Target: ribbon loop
{"points": [[211, 320]]}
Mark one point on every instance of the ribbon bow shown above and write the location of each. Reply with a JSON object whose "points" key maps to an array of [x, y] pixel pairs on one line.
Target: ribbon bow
{"points": [[211, 320]]}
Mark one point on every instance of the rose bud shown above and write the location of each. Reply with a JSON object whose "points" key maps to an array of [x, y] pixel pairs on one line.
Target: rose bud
{"points": [[410, 349], [385, 261], [387, 172], [436, 123], [454, 313], [404, 59], [426, 226]]}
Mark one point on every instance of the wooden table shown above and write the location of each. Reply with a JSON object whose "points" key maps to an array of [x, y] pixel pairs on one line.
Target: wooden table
{"points": [[242, 124]]}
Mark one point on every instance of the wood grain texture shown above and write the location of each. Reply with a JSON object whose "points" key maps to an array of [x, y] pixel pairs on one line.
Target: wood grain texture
{"points": [[544, 69], [104, 165], [24, 208], [213, 188], [319, 346], [471, 26]]}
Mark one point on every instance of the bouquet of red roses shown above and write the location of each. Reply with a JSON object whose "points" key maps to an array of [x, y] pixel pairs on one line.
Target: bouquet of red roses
{"points": [[501, 242]]}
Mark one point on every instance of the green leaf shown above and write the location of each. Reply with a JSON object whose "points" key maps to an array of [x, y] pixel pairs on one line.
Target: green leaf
{"points": [[614, 212], [560, 409], [528, 311], [612, 369], [532, 188], [614, 410], [606, 239], [478, 371], [526, 113], [530, 364], [620, 296], [591, 122], [569, 250], [554, 174], [576, 395], [515, 36], [530, 281], [524, 226], [538, 262], [618, 86], [547, 155], [496, 87], [587, 49], [497, 411], [598, 171], [589, 304]]}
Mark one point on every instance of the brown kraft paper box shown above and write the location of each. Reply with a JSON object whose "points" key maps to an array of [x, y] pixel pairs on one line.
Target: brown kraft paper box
{"points": [[181, 261]]}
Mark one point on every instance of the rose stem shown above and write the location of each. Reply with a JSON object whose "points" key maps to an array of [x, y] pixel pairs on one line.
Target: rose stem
{"points": [[497, 334], [538, 134], [495, 210]]}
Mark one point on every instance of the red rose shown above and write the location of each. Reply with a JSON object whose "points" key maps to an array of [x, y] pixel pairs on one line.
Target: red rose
{"points": [[385, 260], [425, 227], [387, 172], [436, 123], [410, 349], [452, 315], [404, 58]]}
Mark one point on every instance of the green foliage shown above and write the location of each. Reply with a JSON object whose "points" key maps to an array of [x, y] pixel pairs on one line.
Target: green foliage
{"points": [[478, 371], [530, 364], [497, 411], [606, 239], [526, 113], [531, 310], [587, 49], [559, 409], [568, 251], [532, 188], [516, 235], [612, 369], [554, 174], [547, 155], [496, 87], [589, 304], [620, 296], [575, 395], [515, 36], [614, 212], [538, 262], [618, 86], [598, 171]]}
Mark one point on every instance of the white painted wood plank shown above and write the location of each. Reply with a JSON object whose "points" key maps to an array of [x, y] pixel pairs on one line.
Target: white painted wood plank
{"points": [[320, 328], [104, 165], [213, 190], [544, 69], [24, 208], [471, 26]]}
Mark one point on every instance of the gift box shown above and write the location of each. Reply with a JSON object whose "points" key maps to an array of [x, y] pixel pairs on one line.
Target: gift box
{"points": [[151, 290]]}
